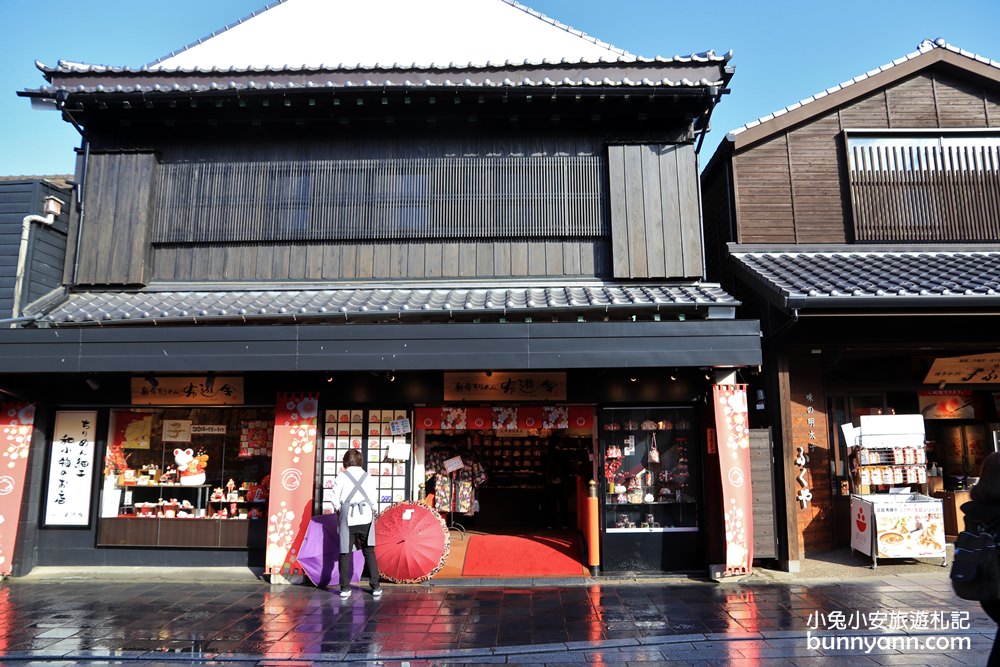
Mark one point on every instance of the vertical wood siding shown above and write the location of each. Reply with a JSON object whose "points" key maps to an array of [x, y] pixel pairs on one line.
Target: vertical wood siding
{"points": [[655, 215], [765, 544], [114, 236], [387, 261]]}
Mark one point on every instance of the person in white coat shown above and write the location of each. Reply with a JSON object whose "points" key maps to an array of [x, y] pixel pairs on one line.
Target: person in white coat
{"points": [[354, 492]]}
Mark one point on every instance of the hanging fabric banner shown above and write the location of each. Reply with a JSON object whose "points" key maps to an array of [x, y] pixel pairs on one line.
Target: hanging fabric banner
{"points": [[293, 468], [429, 418], [16, 423], [581, 416], [732, 427], [529, 416], [479, 419]]}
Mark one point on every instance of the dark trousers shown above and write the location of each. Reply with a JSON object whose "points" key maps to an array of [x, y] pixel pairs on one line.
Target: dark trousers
{"points": [[359, 538], [992, 609]]}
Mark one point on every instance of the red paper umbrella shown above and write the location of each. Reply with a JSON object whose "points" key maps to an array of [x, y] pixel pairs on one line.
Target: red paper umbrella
{"points": [[411, 542]]}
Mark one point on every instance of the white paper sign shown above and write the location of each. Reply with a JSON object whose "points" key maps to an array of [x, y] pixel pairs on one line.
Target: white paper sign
{"points": [[453, 464], [71, 469], [176, 430], [399, 451]]}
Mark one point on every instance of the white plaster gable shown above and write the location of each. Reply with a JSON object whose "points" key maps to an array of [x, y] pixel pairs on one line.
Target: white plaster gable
{"points": [[420, 33]]}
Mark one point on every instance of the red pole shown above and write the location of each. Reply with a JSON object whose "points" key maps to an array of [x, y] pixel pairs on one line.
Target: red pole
{"points": [[593, 531]]}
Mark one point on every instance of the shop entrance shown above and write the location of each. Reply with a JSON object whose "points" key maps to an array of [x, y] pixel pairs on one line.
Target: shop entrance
{"points": [[509, 481], [511, 495]]}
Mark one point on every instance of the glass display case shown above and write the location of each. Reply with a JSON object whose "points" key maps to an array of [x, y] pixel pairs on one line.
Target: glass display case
{"points": [[186, 477], [648, 483]]}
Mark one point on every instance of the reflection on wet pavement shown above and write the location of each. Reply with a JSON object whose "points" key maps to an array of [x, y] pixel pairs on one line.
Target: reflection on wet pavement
{"points": [[255, 622]]}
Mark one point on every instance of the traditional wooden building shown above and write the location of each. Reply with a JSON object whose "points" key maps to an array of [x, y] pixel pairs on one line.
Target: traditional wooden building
{"points": [[409, 228], [32, 244], [861, 227]]}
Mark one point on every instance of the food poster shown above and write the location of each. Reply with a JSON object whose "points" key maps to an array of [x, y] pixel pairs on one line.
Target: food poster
{"points": [[909, 529], [862, 526]]}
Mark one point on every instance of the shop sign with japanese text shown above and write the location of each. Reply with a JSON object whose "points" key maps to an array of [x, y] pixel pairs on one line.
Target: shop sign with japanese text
{"points": [[505, 386], [71, 469], [197, 390]]}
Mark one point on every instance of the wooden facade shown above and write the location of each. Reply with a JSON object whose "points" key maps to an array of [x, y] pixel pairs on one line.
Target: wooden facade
{"points": [[45, 253], [825, 175], [794, 186], [642, 219]]}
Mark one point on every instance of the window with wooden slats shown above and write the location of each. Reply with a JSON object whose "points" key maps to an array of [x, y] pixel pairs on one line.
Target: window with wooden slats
{"points": [[374, 199], [925, 186]]}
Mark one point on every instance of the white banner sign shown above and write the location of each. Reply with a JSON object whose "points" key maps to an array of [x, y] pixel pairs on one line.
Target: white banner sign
{"points": [[71, 469]]}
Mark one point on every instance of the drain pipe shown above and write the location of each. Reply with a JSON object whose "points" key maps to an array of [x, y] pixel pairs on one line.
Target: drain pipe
{"points": [[52, 207]]}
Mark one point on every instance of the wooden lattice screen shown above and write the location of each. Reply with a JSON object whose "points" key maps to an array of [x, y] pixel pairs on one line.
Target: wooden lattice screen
{"points": [[924, 193], [380, 199]]}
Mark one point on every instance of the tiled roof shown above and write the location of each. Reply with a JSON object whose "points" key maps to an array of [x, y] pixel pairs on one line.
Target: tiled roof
{"points": [[865, 278], [214, 306], [294, 44], [652, 73], [924, 47]]}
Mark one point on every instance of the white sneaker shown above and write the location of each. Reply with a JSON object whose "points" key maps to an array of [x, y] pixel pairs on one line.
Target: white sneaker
{"points": [[377, 593], [345, 594]]}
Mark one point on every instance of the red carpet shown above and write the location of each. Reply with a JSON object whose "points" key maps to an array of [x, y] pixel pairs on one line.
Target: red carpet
{"points": [[523, 556]]}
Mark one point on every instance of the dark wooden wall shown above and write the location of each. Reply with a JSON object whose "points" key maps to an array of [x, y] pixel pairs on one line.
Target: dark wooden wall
{"points": [[47, 245], [793, 187], [657, 230], [655, 214], [765, 536], [113, 244]]}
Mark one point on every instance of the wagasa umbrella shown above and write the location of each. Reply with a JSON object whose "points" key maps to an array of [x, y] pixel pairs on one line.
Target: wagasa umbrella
{"points": [[411, 542], [319, 554]]}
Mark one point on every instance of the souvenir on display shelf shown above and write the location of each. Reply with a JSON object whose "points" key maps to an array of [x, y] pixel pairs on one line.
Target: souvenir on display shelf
{"points": [[888, 518], [647, 480]]}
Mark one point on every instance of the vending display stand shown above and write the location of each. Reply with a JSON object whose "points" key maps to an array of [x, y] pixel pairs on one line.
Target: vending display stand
{"points": [[889, 519]]}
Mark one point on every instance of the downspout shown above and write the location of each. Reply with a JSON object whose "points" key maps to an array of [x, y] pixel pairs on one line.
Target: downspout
{"points": [[22, 260]]}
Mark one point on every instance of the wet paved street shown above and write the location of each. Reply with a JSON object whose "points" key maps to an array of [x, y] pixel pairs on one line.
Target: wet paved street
{"points": [[249, 622]]}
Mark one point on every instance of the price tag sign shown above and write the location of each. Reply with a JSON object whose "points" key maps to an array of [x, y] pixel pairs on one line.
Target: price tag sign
{"points": [[398, 451], [400, 427]]}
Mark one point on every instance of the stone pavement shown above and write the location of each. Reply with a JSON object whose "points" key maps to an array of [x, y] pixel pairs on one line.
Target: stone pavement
{"points": [[189, 617]]}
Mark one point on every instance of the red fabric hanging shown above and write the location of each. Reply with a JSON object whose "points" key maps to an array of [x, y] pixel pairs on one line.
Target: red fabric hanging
{"points": [[428, 418], [479, 419], [529, 416], [581, 416]]}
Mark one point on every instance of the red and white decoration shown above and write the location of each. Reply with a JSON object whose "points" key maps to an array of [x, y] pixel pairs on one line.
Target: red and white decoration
{"points": [[293, 467], [17, 421], [732, 427]]}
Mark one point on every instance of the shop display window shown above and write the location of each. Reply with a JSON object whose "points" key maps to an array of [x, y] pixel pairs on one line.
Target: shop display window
{"points": [[187, 468], [651, 471], [384, 442]]}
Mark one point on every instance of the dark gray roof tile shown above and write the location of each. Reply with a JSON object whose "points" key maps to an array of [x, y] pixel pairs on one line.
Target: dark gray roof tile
{"points": [[343, 303], [873, 279]]}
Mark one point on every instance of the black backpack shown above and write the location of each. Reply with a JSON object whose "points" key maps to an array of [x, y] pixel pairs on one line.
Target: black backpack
{"points": [[975, 572]]}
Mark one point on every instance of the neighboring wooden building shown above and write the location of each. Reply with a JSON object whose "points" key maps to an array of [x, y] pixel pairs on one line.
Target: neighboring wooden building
{"points": [[41, 259], [359, 209], [861, 226]]}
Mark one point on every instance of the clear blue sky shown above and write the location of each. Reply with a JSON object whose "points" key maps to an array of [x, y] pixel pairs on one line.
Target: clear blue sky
{"points": [[783, 50]]}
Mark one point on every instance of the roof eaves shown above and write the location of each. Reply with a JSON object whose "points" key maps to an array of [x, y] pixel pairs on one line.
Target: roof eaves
{"points": [[742, 135]]}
